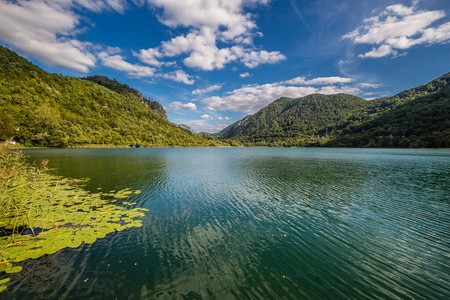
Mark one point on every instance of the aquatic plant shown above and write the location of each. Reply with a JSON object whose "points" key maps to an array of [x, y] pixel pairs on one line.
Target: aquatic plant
{"points": [[41, 213]]}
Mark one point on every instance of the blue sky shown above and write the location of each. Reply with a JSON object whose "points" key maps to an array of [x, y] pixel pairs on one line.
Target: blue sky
{"points": [[212, 62]]}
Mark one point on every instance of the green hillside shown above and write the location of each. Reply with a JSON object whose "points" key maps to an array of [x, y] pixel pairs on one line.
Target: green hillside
{"points": [[130, 93], [289, 121], [417, 117], [38, 108], [421, 122]]}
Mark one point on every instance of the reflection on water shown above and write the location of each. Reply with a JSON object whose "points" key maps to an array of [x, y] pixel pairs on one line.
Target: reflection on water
{"points": [[258, 224]]}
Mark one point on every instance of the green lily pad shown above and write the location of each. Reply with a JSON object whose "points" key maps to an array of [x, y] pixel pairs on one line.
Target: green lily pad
{"points": [[60, 212], [14, 269], [5, 266]]}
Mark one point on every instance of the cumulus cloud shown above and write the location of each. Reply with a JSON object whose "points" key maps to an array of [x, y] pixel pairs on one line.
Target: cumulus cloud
{"points": [[243, 75], [179, 76], [318, 80], [46, 30], [255, 58], [206, 117], [400, 27], [178, 106], [209, 22], [118, 63], [213, 14], [150, 57], [207, 90], [251, 98]]}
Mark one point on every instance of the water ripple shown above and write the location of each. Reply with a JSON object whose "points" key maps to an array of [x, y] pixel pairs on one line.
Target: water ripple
{"points": [[259, 224]]}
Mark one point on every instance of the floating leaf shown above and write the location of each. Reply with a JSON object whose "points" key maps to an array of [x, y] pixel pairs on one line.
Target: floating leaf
{"points": [[14, 269], [60, 212], [5, 266]]}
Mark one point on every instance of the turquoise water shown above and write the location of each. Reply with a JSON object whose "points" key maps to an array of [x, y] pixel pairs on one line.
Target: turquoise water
{"points": [[258, 223]]}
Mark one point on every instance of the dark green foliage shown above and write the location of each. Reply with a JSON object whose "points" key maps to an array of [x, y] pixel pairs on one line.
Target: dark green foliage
{"points": [[51, 110], [417, 117], [292, 121], [423, 122]]}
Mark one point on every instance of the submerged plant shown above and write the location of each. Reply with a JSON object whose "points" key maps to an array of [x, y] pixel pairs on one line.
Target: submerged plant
{"points": [[42, 213]]}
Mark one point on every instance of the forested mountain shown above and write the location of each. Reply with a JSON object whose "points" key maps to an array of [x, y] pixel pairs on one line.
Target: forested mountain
{"points": [[38, 108], [417, 117], [290, 120], [131, 93]]}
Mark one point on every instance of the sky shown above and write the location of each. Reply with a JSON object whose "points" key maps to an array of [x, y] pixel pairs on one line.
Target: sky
{"points": [[210, 63]]}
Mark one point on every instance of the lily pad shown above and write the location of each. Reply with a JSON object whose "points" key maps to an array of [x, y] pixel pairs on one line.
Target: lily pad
{"points": [[14, 269], [46, 213]]}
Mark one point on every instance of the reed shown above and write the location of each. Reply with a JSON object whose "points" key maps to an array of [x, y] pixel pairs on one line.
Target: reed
{"points": [[41, 213]]}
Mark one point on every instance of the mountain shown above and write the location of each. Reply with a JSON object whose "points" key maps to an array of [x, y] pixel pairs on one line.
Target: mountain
{"points": [[131, 93], [44, 109], [417, 117], [288, 120]]}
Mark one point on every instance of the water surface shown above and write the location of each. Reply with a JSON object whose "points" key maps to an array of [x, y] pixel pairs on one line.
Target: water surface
{"points": [[258, 223]]}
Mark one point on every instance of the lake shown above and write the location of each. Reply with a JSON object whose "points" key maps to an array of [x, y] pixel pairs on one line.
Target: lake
{"points": [[257, 223]]}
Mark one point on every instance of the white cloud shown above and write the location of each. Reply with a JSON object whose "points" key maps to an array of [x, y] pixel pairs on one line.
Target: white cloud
{"points": [[243, 75], [179, 76], [318, 80], [222, 118], [206, 117], [46, 30], [400, 27], [43, 30], [209, 22], [251, 98], [207, 90], [212, 13], [150, 57], [178, 106], [383, 50], [118, 63], [255, 58], [370, 85]]}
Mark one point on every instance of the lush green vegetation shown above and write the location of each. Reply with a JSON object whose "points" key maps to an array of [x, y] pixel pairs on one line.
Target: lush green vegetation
{"points": [[130, 93], [417, 117], [41, 214], [420, 123], [50, 110], [289, 121]]}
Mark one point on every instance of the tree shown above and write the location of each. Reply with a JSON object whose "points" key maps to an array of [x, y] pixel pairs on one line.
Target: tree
{"points": [[7, 128]]}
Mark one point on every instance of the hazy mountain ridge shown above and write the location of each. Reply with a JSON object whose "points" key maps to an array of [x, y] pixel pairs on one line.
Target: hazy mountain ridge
{"points": [[42, 109], [346, 120]]}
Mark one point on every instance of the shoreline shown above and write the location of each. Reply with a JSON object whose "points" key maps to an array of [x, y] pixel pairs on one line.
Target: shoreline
{"points": [[101, 146]]}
